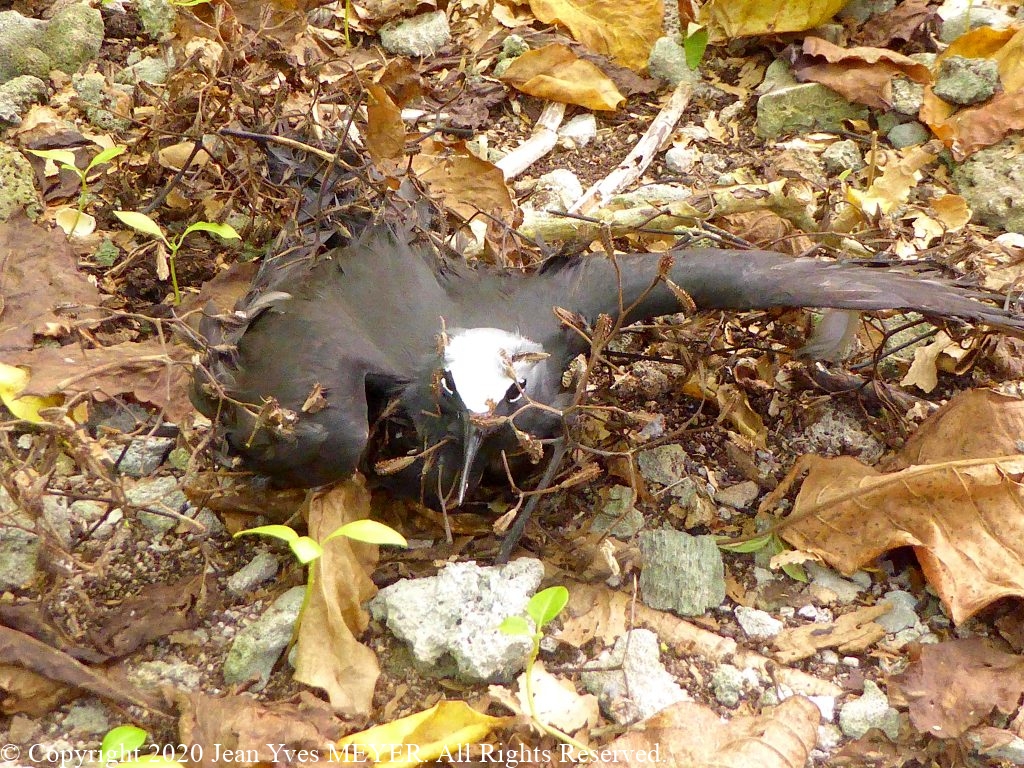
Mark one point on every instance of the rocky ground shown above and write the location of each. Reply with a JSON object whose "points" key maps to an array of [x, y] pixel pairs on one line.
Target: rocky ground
{"points": [[881, 625]]}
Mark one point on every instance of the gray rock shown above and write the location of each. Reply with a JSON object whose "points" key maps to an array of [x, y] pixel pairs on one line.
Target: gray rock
{"points": [[681, 159], [151, 675], [731, 683], [902, 615], [778, 75], [825, 578], [960, 18], [619, 517], [257, 647], [992, 182], [17, 185], [837, 433], [579, 131], [667, 62], [19, 545], [87, 513], [842, 156], [1012, 751], [908, 134], [17, 95], [664, 465], [100, 106], [86, 719], [142, 456], [871, 710], [422, 35], [758, 624], [261, 568], [632, 684], [966, 81], [907, 96], [65, 42], [739, 496], [150, 70], [157, 16], [158, 493], [556, 191], [514, 45], [681, 573], [802, 108], [859, 11], [456, 614]]}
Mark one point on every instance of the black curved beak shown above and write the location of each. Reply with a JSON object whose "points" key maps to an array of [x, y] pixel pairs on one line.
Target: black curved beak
{"points": [[472, 438]]}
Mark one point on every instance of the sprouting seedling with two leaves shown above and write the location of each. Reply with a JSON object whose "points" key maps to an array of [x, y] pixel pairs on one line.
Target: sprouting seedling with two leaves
{"points": [[75, 221], [147, 226], [307, 550], [543, 608]]}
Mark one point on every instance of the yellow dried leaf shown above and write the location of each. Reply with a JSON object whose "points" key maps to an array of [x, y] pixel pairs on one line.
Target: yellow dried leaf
{"points": [[422, 737], [727, 19], [555, 73], [625, 30], [14, 381]]}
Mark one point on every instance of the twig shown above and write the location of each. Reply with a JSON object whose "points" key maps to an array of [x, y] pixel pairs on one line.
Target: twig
{"points": [[641, 155], [539, 144]]}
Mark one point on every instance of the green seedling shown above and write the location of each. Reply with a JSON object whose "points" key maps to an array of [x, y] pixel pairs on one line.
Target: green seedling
{"points": [[307, 549], [695, 44], [147, 226], [122, 746], [65, 160], [773, 545], [543, 608]]}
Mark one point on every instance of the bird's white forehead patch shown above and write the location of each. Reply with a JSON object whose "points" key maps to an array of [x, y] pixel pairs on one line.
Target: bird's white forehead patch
{"points": [[479, 360]]}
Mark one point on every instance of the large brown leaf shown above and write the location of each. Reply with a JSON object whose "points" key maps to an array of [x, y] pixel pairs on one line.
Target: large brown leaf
{"points": [[957, 498]]}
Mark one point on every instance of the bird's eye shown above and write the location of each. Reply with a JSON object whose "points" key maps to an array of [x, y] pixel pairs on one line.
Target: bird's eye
{"points": [[448, 383], [515, 392]]}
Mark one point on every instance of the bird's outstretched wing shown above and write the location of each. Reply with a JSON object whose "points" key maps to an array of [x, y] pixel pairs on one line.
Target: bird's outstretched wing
{"points": [[744, 280]]}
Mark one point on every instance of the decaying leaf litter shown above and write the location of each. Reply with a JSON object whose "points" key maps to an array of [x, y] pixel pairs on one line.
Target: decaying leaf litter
{"points": [[744, 394]]}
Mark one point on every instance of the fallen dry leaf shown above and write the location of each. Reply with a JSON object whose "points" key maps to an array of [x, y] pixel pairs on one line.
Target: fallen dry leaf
{"points": [[693, 735], [151, 372], [624, 30], [863, 75], [955, 685], [327, 653], [257, 734], [428, 735], [728, 19], [557, 74], [967, 130], [557, 702], [467, 184], [958, 502], [38, 272], [850, 633]]}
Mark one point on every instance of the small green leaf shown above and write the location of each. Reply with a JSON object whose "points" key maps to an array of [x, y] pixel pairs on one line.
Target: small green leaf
{"points": [[221, 230], [306, 550], [746, 547], [795, 571], [515, 625], [121, 740], [282, 532], [694, 46], [106, 156], [371, 532], [63, 156], [547, 604], [141, 222]]}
